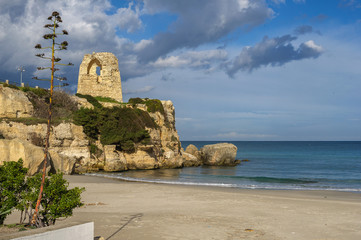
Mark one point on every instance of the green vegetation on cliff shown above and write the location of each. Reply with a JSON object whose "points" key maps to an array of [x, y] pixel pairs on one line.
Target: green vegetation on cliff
{"points": [[123, 127], [153, 105]]}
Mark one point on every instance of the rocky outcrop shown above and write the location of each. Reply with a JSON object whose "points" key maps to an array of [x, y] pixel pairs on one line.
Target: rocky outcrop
{"points": [[191, 149], [71, 151], [220, 154], [191, 160], [14, 149], [141, 160], [68, 144], [14, 103], [114, 160], [82, 102]]}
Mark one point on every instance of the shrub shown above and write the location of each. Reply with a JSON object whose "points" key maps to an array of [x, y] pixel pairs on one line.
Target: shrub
{"points": [[116, 126], [135, 101], [58, 201], [18, 193], [154, 105], [95, 150], [90, 99], [63, 105], [88, 118], [12, 183]]}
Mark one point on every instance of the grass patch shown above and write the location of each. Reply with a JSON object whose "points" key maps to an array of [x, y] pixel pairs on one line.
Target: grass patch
{"points": [[40, 92], [106, 99]]}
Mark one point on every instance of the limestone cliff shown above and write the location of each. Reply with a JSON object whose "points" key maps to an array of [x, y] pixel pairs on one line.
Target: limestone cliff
{"points": [[70, 150], [68, 145], [14, 103], [162, 152]]}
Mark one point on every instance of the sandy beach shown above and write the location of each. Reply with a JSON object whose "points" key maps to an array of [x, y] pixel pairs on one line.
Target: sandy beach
{"points": [[135, 211]]}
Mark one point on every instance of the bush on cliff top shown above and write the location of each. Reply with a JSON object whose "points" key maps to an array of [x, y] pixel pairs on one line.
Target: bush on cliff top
{"points": [[92, 100], [63, 105], [116, 126], [153, 105]]}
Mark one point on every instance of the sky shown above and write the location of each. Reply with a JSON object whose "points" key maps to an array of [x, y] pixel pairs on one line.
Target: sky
{"points": [[248, 70]]}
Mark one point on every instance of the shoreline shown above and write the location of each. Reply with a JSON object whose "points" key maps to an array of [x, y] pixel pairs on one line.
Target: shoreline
{"points": [[216, 185], [135, 211]]}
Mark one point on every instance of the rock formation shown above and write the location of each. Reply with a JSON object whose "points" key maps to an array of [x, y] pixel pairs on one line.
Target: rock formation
{"points": [[220, 154], [14, 103], [68, 144], [13, 150]]}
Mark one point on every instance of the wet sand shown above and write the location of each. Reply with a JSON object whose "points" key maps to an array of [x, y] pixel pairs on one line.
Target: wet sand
{"points": [[137, 211]]}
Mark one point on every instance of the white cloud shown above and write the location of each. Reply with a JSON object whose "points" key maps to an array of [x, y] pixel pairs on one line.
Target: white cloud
{"points": [[172, 61], [201, 22], [272, 51], [127, 18], [140, 90]]}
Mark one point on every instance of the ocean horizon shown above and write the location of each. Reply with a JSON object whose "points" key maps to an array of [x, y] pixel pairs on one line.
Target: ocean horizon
{"points": [[278, 165]]}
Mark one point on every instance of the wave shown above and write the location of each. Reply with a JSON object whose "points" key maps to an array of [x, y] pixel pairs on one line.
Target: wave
{"points": [[229, 185], [273, 180], [129, 179]]}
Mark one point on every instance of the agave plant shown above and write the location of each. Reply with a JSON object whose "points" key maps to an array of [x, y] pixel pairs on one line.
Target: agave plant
{"points": [[55, 19]]}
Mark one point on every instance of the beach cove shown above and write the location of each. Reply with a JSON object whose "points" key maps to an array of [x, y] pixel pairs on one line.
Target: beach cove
{"points": [[135, 211]]}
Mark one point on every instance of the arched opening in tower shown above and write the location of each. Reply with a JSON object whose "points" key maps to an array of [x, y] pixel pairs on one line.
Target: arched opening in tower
{"points": [[95, 69]]}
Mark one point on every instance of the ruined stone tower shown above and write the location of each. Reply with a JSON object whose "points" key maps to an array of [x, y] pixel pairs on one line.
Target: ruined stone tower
{"points": [[99, 76]]}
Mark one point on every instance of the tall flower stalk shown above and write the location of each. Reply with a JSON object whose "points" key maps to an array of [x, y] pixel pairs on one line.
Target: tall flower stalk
{"points": [[55, 19]]}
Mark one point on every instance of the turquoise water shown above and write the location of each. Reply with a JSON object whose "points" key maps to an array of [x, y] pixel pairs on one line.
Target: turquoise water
{"points": [[271, 165]]}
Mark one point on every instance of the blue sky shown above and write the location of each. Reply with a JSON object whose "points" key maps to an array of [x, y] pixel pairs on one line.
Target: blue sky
{"points": [[256, 70]]}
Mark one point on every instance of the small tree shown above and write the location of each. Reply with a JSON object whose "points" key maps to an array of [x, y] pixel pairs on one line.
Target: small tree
{"points": [[16, 192], [12, 183], [55, 19], [57, 201]]}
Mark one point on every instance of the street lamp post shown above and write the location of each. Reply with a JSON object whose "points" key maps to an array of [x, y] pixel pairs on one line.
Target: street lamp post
{"points": [[21, 69]]}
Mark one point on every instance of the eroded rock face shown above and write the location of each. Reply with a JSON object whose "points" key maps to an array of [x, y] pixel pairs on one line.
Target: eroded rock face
{"points": [[191, 149], [141, 160], [114, 160], [68, 144], [14, 103], [14, 149], [190, 160], [220, 154]]}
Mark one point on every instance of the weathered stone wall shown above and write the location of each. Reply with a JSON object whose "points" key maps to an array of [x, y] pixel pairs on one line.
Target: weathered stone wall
{"points": [[107, 83]]}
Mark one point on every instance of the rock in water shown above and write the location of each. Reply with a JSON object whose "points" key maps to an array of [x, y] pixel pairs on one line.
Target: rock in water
{"points": [[220, 154]]}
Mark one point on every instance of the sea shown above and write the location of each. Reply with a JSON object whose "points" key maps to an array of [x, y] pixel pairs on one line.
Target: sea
{"points": [[278, 165]]}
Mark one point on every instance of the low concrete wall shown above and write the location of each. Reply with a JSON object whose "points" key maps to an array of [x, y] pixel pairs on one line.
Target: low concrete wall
{"points": [[79, 232]]}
